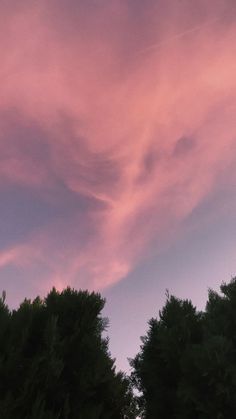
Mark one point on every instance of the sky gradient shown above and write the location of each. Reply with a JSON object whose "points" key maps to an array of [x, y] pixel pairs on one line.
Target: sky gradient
{"points": [[118, 152]]}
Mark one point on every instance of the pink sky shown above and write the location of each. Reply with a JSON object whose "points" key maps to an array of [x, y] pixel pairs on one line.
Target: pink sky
{"points": [[117, 125]]}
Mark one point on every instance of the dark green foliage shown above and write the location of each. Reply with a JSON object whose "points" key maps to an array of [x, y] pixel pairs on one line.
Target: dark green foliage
{"points": [[55, 364], [186, 368]]}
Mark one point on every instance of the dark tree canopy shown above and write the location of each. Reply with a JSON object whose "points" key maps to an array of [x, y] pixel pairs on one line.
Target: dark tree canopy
{"points": [[186, 368], [55, 364]]}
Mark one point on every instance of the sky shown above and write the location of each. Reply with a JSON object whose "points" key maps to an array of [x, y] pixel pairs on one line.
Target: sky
{"points": [[118, 153]]}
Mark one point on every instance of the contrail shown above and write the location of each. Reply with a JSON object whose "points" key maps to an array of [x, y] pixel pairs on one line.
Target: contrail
{"points": [[177, 36]]}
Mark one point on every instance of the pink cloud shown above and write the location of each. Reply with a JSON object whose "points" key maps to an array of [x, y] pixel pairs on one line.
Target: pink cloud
{"points": [[114, 118]]}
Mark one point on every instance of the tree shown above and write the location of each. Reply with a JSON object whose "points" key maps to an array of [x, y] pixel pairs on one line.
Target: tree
{"points": [[186, 367], [55, 363], [157, 368]]}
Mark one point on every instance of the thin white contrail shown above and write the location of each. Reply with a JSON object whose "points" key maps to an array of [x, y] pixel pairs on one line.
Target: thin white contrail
{"points": [[177, 36]]}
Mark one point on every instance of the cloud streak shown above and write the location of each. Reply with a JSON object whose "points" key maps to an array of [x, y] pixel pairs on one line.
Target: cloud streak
{"points": [[178, 35], [85, 118]]}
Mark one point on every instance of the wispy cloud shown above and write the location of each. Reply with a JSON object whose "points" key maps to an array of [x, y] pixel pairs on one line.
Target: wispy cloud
{"points": [[142, 138]]}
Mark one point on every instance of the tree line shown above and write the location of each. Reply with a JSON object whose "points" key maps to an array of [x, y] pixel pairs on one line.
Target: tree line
{"points": [[55, 361]]}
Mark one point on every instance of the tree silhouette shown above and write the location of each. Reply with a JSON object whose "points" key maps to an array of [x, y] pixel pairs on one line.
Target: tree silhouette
{"points": [[157, 368], [55, 363], [186, 367]]}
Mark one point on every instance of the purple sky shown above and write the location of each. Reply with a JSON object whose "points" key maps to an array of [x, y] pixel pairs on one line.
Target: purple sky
{"points": [[118, 153]]}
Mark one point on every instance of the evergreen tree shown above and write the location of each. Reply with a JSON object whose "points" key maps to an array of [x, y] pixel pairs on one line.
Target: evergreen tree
{"points": [[55, 363], [186, 367], [157, 368]]}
